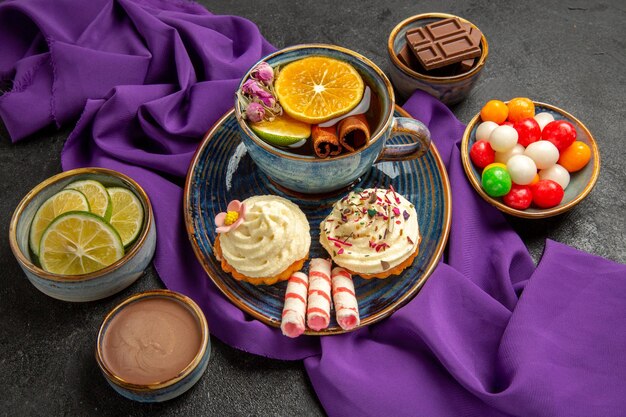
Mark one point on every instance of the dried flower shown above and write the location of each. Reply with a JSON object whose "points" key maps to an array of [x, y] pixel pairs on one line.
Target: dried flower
{"points": [[263, 72], [232, 218], [255, 112], [255, 89], [268, 101], [257, 96]]}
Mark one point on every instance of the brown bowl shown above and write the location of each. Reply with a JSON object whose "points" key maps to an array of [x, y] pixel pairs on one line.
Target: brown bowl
{"points": [[581, 182], [449, 89]]}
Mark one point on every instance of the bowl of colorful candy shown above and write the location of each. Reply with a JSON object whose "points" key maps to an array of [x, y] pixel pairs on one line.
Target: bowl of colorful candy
{"points": [[529, 159]]}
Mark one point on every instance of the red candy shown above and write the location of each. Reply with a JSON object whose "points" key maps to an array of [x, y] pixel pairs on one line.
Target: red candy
{"points": [[560, 132], [547, 193], [507, 123], [482, 154], [519, 197], [528, 131]]}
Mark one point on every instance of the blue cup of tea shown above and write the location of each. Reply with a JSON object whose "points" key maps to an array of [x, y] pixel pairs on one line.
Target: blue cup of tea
{"points": [[308, 174]]}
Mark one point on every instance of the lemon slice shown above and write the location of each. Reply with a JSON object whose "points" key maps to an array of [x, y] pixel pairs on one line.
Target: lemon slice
{"points": [[282, 131], [97, 196], [61, 202], [77, 243], [316, 89], [127, 214]]}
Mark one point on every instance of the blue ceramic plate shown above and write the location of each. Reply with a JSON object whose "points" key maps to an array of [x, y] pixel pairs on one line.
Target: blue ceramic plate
{"points": [[222, 171], [581, 182]]}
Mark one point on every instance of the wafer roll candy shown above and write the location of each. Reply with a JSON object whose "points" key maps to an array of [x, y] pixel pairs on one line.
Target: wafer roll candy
{"points": [[292, 324], [346, 306], [325, 141], [354, 132], [318, 310]]}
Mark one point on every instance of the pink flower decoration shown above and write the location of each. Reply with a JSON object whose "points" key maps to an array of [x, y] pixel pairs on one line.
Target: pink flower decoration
{"points": [[254, 89], [255, 112], [263, 72], [232, 218]]}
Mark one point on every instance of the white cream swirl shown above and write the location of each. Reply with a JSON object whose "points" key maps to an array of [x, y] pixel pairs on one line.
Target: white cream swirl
{"points": [[274, 234], [371, 231]]}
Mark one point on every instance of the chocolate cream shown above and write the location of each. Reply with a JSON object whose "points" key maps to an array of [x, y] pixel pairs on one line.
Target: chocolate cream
{"points": [[151, 340]]}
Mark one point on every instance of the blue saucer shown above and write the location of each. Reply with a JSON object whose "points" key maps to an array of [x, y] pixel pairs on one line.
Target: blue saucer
{"points": [[222, 171]]}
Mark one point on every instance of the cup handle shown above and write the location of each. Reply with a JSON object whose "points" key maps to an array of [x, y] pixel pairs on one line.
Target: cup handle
{"points": [[409, 127]]}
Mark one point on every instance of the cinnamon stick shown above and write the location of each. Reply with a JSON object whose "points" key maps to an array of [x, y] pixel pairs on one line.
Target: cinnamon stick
{"points": [[354, 132], [325, 141]]}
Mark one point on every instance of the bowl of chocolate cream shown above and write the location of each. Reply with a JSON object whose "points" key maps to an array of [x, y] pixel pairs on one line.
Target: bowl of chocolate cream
{"points": [[153, 346]]}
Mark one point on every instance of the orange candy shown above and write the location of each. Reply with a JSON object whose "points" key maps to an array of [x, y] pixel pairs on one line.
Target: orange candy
{"points": [[520, 108], [535, 180], [575, 156], [494, 111]]}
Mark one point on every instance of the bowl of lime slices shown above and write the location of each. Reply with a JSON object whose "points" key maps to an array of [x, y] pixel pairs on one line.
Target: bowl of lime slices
{"points": [[84, 234]]}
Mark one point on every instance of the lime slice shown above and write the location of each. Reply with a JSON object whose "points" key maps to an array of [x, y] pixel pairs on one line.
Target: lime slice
{"points": [[127, 215], [282, 131], [99, 200], [61, 202], [78, 243]]}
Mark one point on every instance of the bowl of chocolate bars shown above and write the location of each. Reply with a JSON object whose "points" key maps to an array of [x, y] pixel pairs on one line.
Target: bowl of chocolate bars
{"points": [[439, 53]]}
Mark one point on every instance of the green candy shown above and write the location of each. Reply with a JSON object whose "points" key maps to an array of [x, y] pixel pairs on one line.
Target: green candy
{"points": [[496, 181]]}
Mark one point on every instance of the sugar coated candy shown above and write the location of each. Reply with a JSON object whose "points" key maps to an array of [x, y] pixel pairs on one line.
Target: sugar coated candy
{"points": [[494, 111], [496, 181], [547, 194], [543, 119], [544, 153], [522, 169], [528, 131], [575, 157], [482, 154], [520, 197], [504, 157], [484, 130], [503, 138], [520, 108], [560, 132], [557, 174]]}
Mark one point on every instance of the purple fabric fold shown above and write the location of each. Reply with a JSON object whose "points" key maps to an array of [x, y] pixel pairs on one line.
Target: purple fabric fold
{"points": [[488, 335]]}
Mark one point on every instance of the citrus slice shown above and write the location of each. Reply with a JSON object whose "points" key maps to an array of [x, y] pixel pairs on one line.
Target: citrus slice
{"points": [[77, 243], [127, 214], [97, 196], [61, 202], [282, 131], [316, 89]]}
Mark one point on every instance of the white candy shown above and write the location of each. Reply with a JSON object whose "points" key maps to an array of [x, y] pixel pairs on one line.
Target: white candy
{"points": [[522, 169], [543, 119], [544, 153], [484, 130], [503, 138], [555, 173], [503, 157], [344, 298], [294, 310]]}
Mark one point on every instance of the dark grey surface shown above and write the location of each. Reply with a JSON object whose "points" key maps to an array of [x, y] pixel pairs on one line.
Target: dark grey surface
{"points": [[571, 54]]}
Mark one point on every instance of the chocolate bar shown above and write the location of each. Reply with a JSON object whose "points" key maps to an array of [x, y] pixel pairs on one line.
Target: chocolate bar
{"points": [[443, 43], [475, 34], [407, 58]]}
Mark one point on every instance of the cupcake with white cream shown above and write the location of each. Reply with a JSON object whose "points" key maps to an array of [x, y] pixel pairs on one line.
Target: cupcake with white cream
{"points": [[373, 233], [262, 240]]}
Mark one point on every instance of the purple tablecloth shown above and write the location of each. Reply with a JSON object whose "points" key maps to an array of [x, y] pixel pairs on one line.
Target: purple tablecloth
{"points": [[489, 334]]}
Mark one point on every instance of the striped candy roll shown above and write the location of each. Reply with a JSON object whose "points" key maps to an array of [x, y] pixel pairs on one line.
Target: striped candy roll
{"points": [[318, 311], [346, 306], [292, 324]]}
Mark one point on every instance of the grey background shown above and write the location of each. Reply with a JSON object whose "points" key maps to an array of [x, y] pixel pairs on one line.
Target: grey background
{"points": [[568, 53]]}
